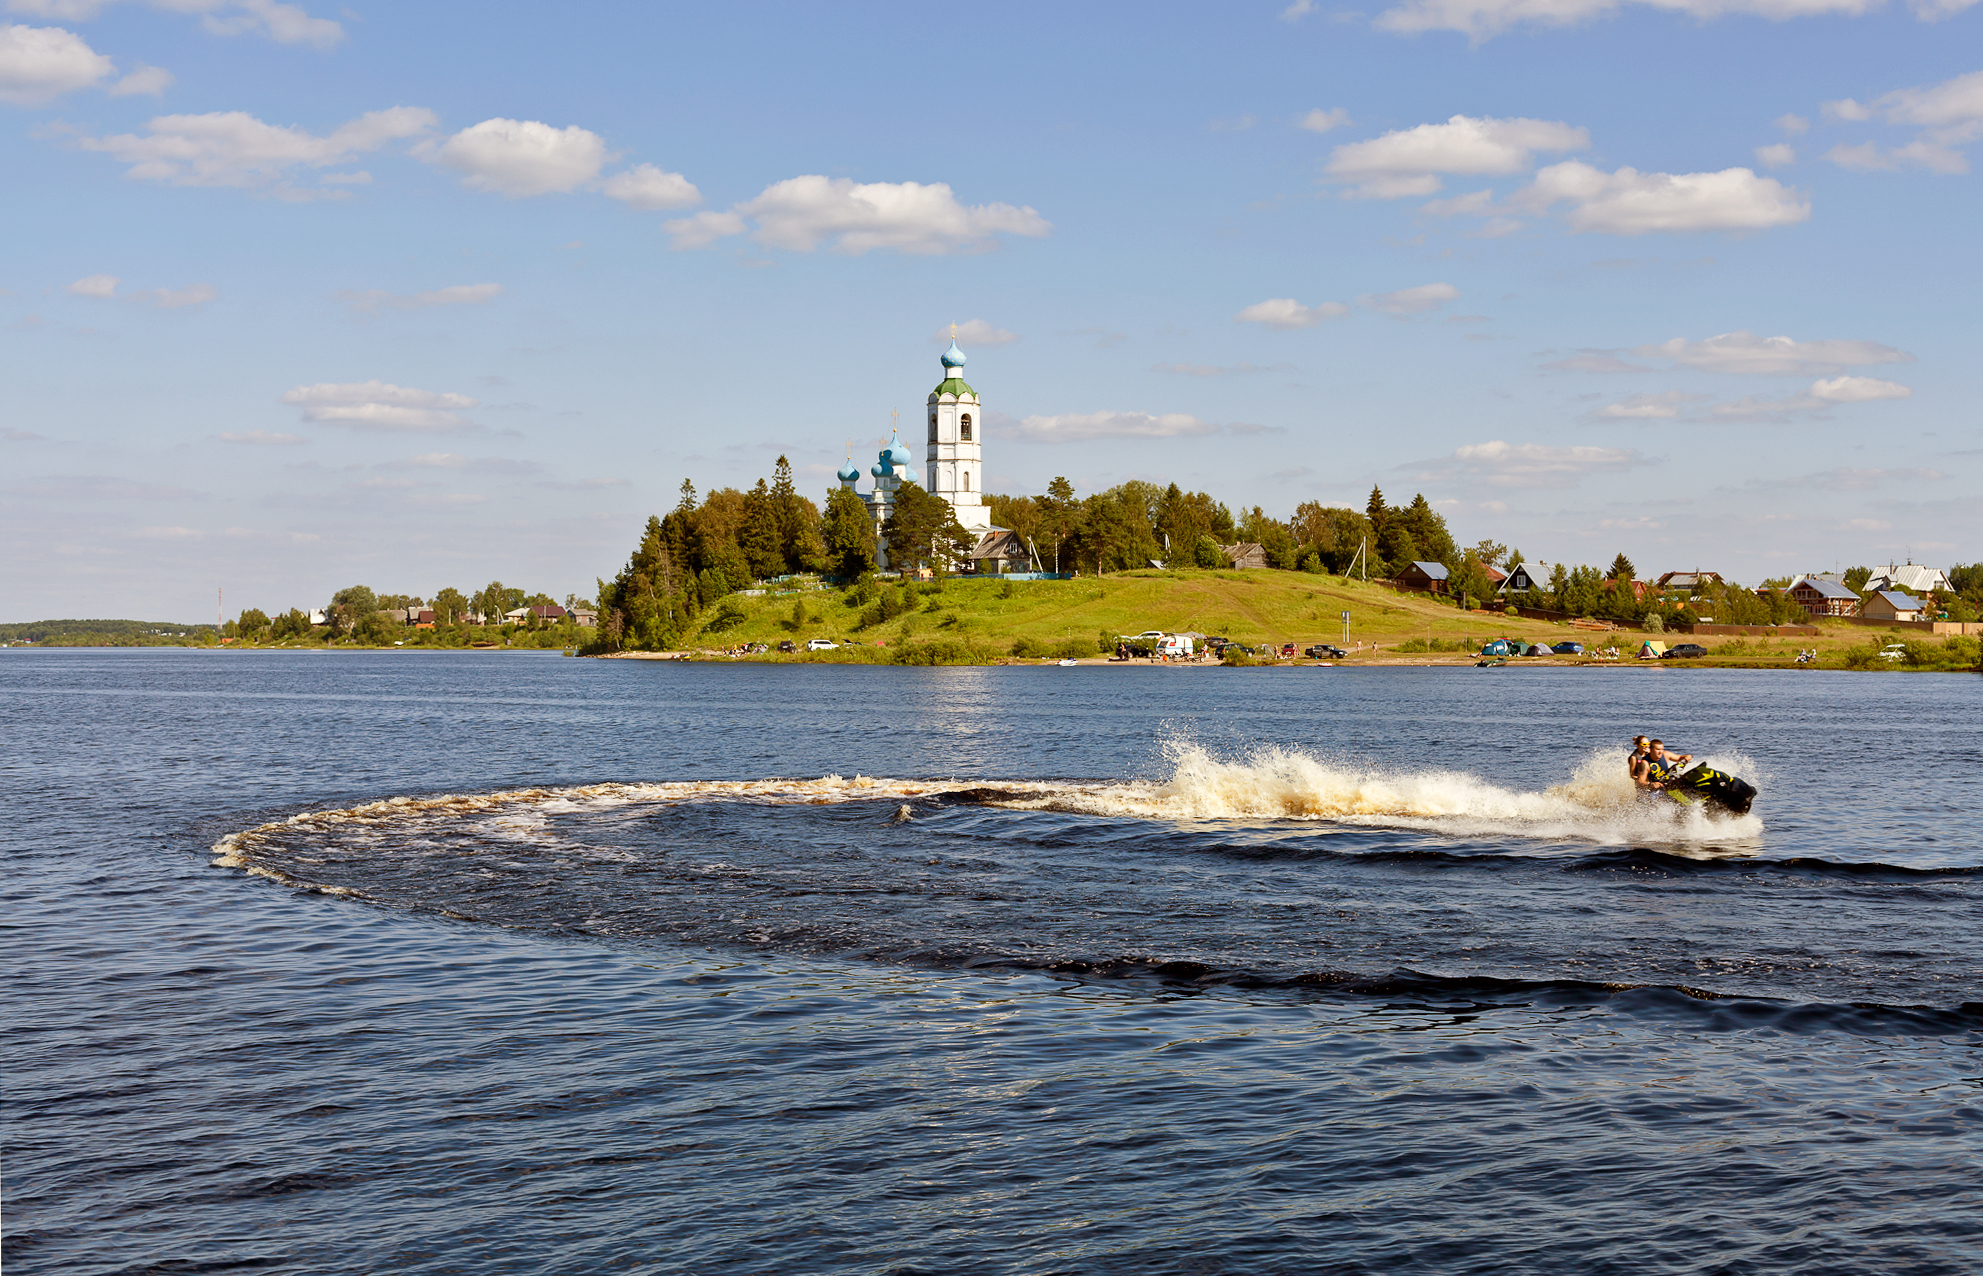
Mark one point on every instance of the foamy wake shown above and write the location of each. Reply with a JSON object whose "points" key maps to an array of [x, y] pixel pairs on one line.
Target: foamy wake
{"points": [[1596, 804]]}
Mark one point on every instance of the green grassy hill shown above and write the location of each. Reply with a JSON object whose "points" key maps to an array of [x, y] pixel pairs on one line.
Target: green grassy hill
{"points": [[1250, 607]]}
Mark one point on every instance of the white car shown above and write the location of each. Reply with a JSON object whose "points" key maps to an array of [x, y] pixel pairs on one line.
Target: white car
{"points": [[822, 644], [1893, 651], [1150, 633]]}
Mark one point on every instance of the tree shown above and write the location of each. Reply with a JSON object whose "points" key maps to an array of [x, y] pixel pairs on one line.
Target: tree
{"points": [[492, 601], [758, 536], [848, 533], [1471, 583], [252, 623], [1856, 577], [1059, 515], [1333, 533], [1490, 553], [1514, 559], [1374, 509], [922, 531], [349, 606], [1206, 553], [294, 623], [798, 523], [450, 605], [1622, 570]]}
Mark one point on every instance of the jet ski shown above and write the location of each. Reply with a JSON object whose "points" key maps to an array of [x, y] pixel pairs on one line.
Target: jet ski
{"points": [[1715, 788]]}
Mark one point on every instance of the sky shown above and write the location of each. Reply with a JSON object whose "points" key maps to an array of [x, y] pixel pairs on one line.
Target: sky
{"points": [[300, 296]]}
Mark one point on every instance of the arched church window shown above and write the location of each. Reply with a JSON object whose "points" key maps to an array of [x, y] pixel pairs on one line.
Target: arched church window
{"points": [[967, 480], [932, 427], [964, 427]]}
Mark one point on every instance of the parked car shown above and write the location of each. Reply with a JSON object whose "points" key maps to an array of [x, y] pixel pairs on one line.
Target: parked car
{"points": [[788, 646], [1323, 651], [1685, 651], [1894, 651], [1568, 649], [821, 644], [1149, 635]]}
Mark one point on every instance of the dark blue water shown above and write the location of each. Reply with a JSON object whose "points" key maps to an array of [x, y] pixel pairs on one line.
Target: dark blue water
{"points": [[534, 964]]}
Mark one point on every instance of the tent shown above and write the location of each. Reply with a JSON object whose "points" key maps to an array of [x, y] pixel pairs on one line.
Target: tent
{"points": [[1650, 650]]}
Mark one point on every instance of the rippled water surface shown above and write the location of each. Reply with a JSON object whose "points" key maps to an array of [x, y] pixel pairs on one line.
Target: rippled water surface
{"points": [[488, 963]]}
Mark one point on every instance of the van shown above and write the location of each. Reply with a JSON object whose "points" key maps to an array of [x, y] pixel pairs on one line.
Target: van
{"points": [[1174, 646]]}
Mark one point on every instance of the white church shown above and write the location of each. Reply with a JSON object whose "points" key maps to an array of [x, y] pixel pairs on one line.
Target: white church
{"points": [[955, 472]]}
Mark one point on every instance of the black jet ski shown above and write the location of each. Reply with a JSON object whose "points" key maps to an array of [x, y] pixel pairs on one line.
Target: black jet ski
{"points": [[1716, 788]]}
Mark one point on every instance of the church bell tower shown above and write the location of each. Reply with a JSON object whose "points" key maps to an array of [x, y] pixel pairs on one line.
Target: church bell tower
{"points": [[956, 432]]}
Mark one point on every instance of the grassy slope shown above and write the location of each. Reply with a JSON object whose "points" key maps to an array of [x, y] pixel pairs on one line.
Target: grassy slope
{"points": [[1252, 607]]}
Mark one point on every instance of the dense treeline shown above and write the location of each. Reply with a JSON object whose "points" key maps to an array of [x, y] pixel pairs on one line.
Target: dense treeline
{"points": [[106, 633]]}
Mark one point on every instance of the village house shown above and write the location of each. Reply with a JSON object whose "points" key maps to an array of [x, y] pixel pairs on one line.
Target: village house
{"points": [[1518, 581], [1244, 555], [1911, 578], [1432, 578], [1891, 604], [1689, 581], [1001, 550], [1824, 596]]}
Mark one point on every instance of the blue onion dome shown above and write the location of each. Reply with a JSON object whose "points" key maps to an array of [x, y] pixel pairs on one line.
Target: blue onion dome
{"points": [[953, 357], [850, 472], [881, 471], [898, 455]]}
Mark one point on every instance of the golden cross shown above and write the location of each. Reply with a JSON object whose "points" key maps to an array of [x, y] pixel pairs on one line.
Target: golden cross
{"points": [[953, 334], [895, 419]]}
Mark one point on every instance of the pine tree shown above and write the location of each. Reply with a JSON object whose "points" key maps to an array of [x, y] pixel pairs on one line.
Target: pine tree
{"points": [[758, 537]]}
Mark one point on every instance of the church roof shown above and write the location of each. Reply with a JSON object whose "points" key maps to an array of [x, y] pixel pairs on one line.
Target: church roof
{"points": [[955, 387]]}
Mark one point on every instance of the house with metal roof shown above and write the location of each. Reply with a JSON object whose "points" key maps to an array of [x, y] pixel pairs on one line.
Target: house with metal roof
{"points": [[1891, 604], [1430, 577], [1824, 596], [1518, 581], [1910, 578], [1689, 581]]}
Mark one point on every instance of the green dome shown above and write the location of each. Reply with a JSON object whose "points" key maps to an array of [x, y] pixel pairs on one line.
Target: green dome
{"points": [[953, 386]]}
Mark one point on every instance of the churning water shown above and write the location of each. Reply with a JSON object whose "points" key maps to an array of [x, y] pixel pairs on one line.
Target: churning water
{"points": [[478, 963]]}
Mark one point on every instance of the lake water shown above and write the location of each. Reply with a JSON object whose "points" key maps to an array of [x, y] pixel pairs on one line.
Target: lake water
{"points": [[477, 963]]}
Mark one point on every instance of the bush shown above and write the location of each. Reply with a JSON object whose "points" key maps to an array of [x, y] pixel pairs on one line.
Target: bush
{"points": [[1073, 649], [1030, 649], [1862, 655], [1414, 645], [1105, 642], [1234, 658]]}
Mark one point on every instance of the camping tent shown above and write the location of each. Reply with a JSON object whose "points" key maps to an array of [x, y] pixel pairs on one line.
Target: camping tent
{"points": [[1650, 650]]}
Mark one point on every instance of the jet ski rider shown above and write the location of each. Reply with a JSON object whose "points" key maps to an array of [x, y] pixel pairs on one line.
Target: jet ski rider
{"points": [[1661, 767]]}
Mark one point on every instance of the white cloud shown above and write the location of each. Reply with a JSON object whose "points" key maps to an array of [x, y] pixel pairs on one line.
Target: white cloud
{"points": [[521, 158], [373, 300], [1286, 312], [102, 287], [262, 438], [1794, 125], [801, 213], [1648, 407], [976, 332], [378, 405], [1593, 361], [283, 23], [1080, 427], [39, 64], [1949, 115], [1818, 397], [646, 187], [152, 80], [1629, 202], [1410, 161], [1481, 19], [1298, 10], [466, 464], [1501, 464], [1778, 155], [1410, 301], [175, 298], [233, 148], [1321, 121], [1745, 352], [703, 229]]}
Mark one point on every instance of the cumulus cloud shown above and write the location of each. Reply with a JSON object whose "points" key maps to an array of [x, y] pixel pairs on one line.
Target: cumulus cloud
{"points": [[521, 158], [976, 332], [1321, 121], [1481, 19], [261, 438], [233, 148], [374, 300], [1818, 397], [1629, 202], [379, 405], [1648, 407], [1745, 352], [801, 214], [1411, 161], [1081, 427], [1949, 114], [40, 64], [648, 188], [1410, 301], [102, 287], [1286, 312], [1779, 155], [151, 80], [1593, 361], [175, 298], [1502, 464], [283, 23], [703, 229]]}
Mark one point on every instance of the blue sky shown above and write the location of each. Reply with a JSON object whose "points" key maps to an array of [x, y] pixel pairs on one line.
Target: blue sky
{"points": [[296, 297]]}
